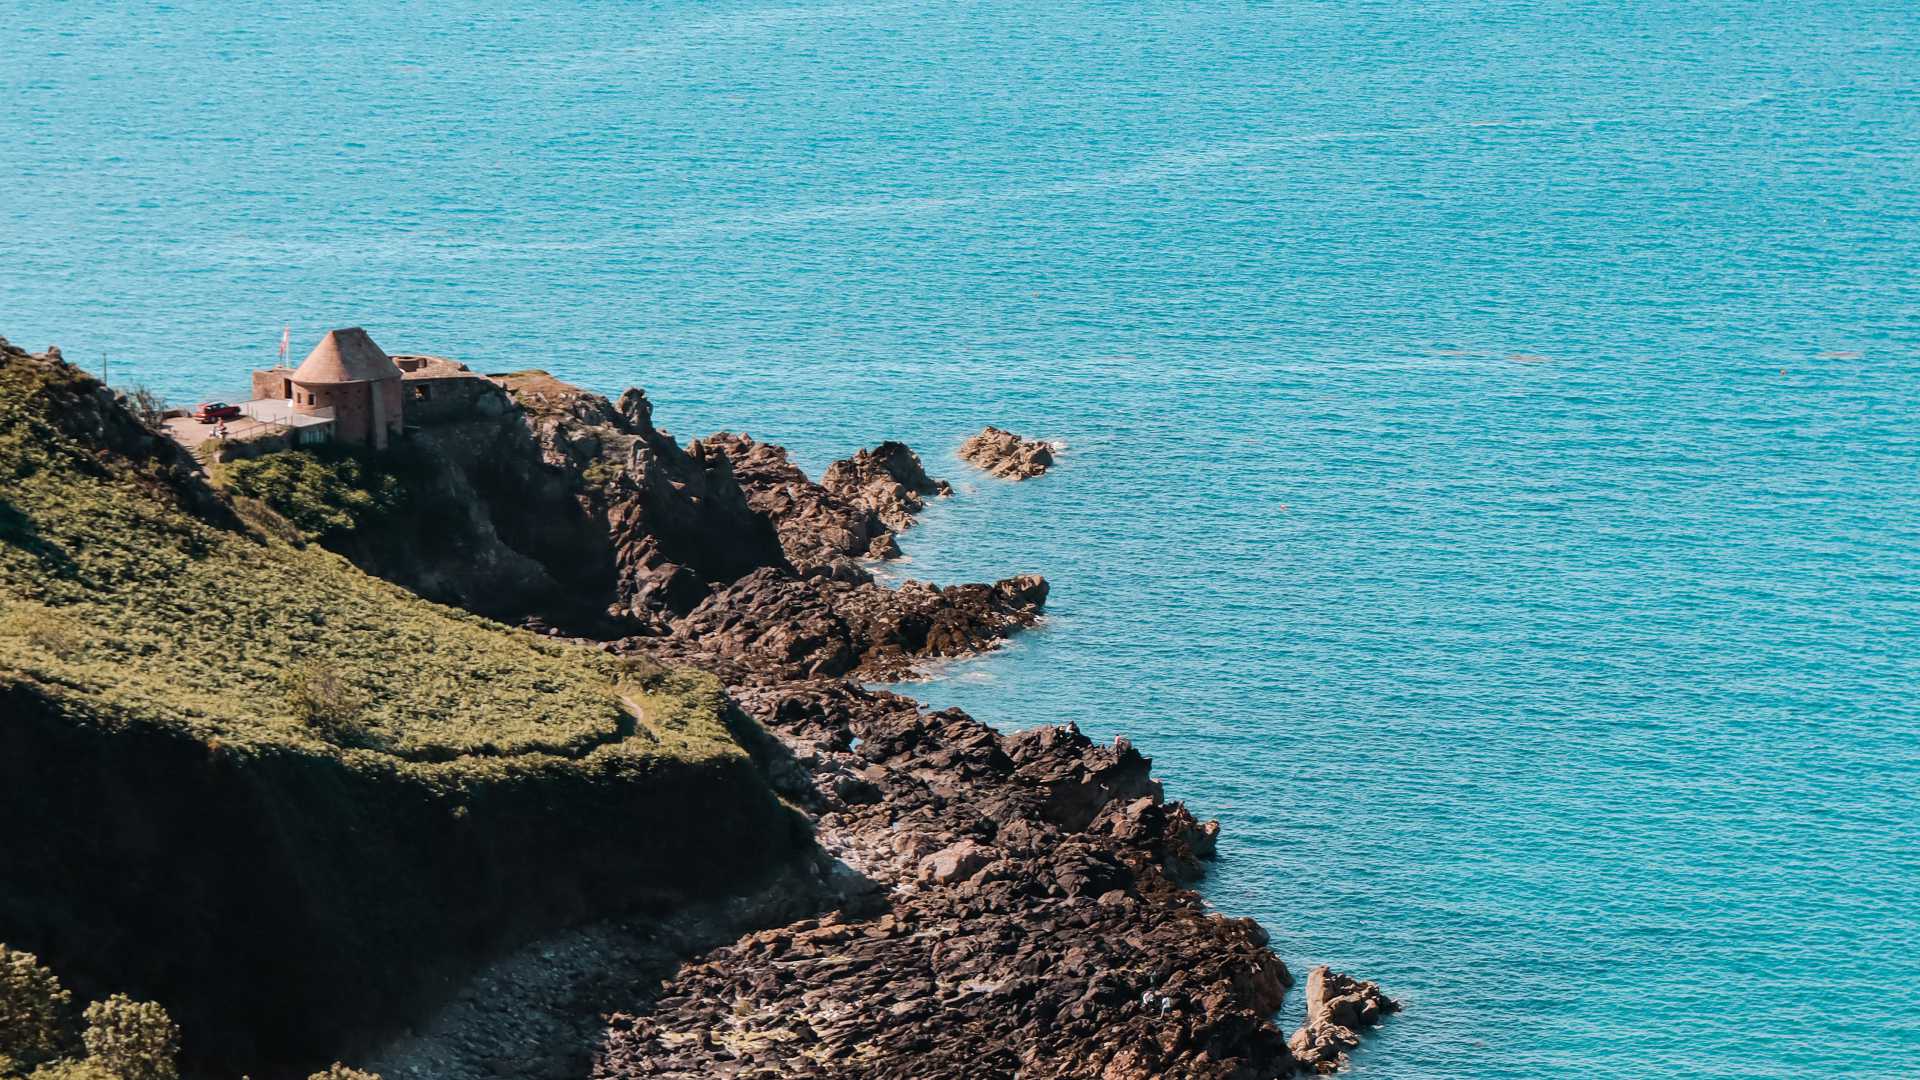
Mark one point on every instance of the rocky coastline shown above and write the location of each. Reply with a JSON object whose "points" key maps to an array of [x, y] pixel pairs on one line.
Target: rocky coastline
{"points": [[942, 899], [988, 904]]}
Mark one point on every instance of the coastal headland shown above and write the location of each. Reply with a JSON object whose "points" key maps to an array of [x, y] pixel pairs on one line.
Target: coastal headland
{"points": [[429, 756]]}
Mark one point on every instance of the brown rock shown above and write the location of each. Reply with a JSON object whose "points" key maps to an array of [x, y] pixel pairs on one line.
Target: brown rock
{"points": [[854, 511], [1049, 952], [1339, 1007], [1006, 455], [955, 863], [772, 625], [887, 480]]}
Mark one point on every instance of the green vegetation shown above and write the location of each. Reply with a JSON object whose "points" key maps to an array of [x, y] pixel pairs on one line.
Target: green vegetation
{"points": [[289, 799], [111, 594], [327, 491], [123, 1039], [133, 1040], [33, 1012]]}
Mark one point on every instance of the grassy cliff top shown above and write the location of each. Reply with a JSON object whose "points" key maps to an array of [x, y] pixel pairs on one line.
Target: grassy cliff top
{"points": [[130, 593]]}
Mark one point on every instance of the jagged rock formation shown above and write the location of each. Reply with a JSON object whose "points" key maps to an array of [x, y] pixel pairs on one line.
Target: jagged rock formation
{"points": [[1017, 904], [853, 513], [1008, 933], [888, 480], [1006, 455], [1339, 1007], [676, 518], [772, 626], [817, 527]]}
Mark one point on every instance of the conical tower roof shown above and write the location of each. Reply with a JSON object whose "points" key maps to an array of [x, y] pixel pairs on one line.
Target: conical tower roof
{"points": [[346, 356]]}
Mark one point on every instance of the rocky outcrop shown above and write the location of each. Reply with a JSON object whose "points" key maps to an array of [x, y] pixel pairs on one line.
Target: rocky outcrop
{"points": [[1025, 911], [1339, 1008], [1006, 455], [676, 519], [817, 527], [772, 626], [853, 513], [1005, 933], [888, 480]]}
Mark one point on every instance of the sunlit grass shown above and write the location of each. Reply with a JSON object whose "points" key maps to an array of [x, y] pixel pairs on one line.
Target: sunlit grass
{"points": [[113, 597]]}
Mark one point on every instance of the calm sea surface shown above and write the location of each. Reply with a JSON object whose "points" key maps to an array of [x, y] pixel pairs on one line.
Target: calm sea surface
{"points": [[1494, 469]]}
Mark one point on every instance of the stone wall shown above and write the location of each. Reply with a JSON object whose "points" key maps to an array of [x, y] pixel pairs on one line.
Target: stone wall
{"points": [[273, 384], [442, 399]]}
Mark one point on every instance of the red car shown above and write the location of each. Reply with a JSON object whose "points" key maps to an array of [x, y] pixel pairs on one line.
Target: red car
{"points": [[211, 411]]}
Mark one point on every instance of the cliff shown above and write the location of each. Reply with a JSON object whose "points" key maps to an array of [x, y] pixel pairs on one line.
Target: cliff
{"points": [[289, 800]]}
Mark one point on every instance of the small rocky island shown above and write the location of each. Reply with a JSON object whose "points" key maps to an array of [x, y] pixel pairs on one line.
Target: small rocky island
{"points": [[892, 890], [1006, 455]]}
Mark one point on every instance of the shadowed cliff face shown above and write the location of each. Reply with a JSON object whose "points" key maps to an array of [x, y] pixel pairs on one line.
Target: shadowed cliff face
{"points": [[563, 508], [619, 526], [580, 514]]}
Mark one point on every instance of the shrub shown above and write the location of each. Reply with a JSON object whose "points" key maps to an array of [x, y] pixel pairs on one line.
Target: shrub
{"points": [[323, 492], [321, 697], [33, 1011], [147, 406], [132, 1040]]}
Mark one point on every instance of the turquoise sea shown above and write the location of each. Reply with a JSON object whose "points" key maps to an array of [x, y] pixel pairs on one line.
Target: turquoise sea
{"points": [[1493, 483]]}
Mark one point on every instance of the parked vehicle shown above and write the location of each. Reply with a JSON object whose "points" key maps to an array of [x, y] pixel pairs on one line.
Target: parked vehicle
{"points": [[212, 411]]}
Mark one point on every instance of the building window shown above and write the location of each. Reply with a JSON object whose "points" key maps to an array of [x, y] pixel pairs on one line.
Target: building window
{"points": [[423, 393]]}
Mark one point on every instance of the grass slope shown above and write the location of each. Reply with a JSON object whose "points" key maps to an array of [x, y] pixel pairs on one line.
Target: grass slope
{"points": [[287, 799], [114, 596]]}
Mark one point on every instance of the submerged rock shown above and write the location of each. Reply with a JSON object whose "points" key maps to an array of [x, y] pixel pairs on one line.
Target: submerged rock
{"points": [[1006, 455]]}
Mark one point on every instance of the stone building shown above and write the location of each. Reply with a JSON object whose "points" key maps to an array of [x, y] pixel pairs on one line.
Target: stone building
{"points": [[439, 390], [349, 389], [350, 375]]}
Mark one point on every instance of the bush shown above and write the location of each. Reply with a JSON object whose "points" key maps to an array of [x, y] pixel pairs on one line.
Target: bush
{"points": [[147, 407], [323, 492], [33, 1012], [132, 1040], [321, 697]]}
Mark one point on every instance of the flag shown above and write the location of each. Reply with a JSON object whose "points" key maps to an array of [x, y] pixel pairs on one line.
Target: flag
{"points": [[286, 332]]}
